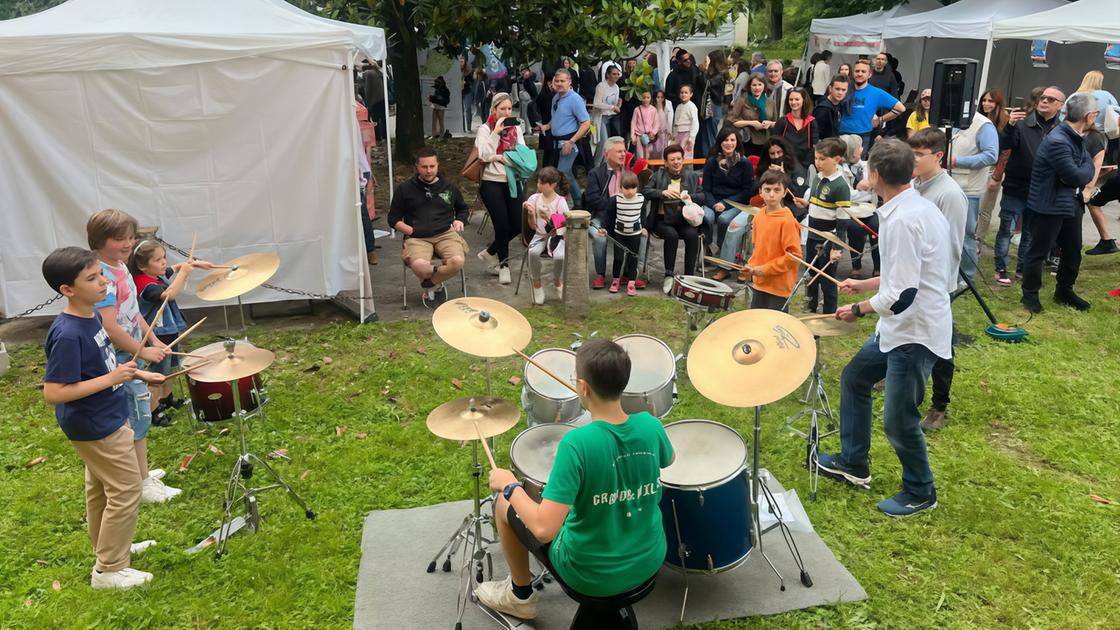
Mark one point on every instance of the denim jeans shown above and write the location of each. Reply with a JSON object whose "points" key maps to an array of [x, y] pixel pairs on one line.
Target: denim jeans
{"points": [[468, 111], [566, 164], [1010, 210], [709, 127], [906, 369], [968, 250], [733, 224]]}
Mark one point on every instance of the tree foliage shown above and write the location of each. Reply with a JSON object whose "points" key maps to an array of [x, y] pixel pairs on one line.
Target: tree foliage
{"points": [[18, 8]]}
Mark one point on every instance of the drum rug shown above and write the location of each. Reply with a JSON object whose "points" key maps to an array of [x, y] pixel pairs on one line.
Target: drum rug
{"points": [[395, 591]]}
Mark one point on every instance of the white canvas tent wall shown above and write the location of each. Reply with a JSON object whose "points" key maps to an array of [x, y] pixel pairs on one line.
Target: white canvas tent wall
{"points": [[699, 44], [957, 30], [854, 35], [1077, 33], [232, 120]]}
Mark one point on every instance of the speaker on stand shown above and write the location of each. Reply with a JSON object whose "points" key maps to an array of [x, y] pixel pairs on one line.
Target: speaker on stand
{"points": [[952, 98]]}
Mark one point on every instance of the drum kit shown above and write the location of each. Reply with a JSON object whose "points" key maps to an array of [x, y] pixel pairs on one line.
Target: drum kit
{"points": [[703, 299]]}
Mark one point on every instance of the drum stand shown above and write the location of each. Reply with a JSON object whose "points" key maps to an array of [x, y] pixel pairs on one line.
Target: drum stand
{"points": [[816, 406], [698, 319], [238, 491]]}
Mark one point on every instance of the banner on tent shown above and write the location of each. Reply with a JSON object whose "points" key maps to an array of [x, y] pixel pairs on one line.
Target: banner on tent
{"points": [[1112, 56], [855, 45], [1038, 53]]}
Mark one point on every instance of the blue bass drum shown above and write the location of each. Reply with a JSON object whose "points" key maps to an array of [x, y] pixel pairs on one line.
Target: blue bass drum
{"points": [[705, 500]]}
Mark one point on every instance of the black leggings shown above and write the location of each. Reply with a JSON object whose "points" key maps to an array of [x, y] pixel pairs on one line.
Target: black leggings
{"points": [[632, 242], [505, 214], [672, 233], [857, 236]]}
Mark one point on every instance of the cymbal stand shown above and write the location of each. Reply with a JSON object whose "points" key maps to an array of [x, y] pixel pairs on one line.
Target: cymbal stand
{"points": [[816, 406], [241, 312], [797, 287], [760, 491], [698, 319]]}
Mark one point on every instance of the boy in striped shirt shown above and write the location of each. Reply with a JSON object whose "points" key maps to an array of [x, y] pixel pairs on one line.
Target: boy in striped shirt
{"points": [[628, 232]]}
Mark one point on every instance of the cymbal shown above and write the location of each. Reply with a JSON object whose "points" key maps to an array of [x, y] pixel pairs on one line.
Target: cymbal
{"points": [[482, 327], [828, 326], [751, 358], [231, 363], [751, 210], [832, 238], [455, 419], [245, 274]]}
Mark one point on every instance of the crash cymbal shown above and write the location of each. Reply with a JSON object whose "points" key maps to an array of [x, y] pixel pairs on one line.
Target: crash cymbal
{"points": [[828, 326], [233, 362], [832, 238], [456, 419], [751, 358], [245, 273], [751, 210], [482, 327]]}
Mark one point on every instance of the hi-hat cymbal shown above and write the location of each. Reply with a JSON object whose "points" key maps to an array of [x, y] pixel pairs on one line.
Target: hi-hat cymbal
{"points": [[482, 327], [828, 326], [751, 210], [245, 274], [455, 419], [234, 362], [751, 358]]}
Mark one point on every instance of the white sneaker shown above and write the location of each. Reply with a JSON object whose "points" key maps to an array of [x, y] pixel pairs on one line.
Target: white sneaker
{"points": [[559, 292], [154, 491], [500, 597], [123, 580], [490, 260], [140, 547], [538, 295], [157, 473], [667, 285], [503, 275]]}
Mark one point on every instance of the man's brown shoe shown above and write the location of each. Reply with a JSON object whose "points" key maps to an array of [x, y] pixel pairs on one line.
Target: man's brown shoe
{"points": [[935, 420]]}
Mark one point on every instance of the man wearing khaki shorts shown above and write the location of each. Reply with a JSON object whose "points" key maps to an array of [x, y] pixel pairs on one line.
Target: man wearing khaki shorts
{"points": [[430, 211]]}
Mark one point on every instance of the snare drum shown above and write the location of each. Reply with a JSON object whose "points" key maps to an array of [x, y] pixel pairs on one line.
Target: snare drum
{"points": [[653, 375], [544, 399], [213, 402], [706, 492], [712, 295], [533, 453]]}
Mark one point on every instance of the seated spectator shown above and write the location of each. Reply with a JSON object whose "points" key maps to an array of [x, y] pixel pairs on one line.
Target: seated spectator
{"points": [[667, 191], [546, 213], [728, 176]]}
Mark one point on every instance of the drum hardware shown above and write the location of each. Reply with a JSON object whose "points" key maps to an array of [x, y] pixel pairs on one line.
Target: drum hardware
{"points": [[801, 281], [236, 278], [575, 345], [772, 351], [819, 272], [816, 406], [232, 364]]}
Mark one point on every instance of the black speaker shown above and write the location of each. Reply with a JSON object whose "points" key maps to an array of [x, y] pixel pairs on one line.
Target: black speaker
{"points": [[953, 93]]}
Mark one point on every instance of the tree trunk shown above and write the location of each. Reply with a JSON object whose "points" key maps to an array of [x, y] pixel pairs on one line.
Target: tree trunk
{"points": [[409, 137], [776, 9]]}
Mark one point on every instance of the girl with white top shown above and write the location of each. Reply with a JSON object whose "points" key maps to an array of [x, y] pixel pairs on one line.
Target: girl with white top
{"points": [[686, 122], [545, 214], [493, 139]]}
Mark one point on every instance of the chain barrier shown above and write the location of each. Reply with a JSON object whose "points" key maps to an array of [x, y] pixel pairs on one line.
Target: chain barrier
{"points": [[35, 308]]}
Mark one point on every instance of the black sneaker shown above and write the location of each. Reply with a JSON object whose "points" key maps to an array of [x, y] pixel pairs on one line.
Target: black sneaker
{"points": [[1031, 303], [833, 467], [1103, 247], [1069, 298], [161, 419]]}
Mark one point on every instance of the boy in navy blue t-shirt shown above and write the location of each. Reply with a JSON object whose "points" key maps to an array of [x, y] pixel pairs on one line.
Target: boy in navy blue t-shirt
{"points": [[84, 382]]}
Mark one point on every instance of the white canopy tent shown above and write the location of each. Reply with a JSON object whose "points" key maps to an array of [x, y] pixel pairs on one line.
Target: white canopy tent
{"points": [[854, 35], [1079, 28], [232, 120]]}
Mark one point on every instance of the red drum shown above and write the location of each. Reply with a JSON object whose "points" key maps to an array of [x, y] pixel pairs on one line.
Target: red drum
{"points": [[213, 402], [708, 294]]}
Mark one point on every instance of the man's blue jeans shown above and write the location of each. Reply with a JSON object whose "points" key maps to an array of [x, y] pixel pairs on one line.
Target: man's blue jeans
{"points": [[1010, 210], [906, 369], [566, 163], [968, 251]]}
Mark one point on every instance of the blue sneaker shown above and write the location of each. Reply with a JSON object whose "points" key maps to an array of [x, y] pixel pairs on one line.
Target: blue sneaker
{"points": [[905, 504], [830, 465]]}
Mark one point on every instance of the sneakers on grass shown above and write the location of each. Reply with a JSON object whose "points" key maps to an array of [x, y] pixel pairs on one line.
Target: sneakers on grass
{"points": [[538, 295], [1003, 279], [905, 504], [831, 466], [154, 491], [121, 580], [499, 596], [157, 473], [140, 547]]}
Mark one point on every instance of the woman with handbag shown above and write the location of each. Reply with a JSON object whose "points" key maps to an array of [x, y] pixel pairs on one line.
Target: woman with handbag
{"points": [[493, 139]]}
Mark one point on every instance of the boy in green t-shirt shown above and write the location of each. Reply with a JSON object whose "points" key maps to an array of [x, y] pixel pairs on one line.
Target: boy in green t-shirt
{"points": [[598, 528]]}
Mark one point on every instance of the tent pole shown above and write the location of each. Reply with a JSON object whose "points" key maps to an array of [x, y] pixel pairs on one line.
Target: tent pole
{"points": [[388, 141], [355, 133], [987, 63]]}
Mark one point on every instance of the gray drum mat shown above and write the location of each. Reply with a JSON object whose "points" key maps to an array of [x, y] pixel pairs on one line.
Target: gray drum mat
{"points": [[395, 591]]}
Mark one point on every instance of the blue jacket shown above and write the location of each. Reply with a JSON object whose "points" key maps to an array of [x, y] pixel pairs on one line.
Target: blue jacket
{"points": [[597, 198], [1062, 168]]}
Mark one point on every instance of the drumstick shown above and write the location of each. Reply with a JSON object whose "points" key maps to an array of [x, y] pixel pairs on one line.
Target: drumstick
{"points": [[152, 326], [828, 315], [485, 446], [547, 371], [189, 331], [856, 219], [828, 237], [819, 272], [185, 370], [187, 354], [194, 241], [719, 262]]}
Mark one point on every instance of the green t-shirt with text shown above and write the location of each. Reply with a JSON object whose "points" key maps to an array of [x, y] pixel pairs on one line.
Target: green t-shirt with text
{"points": [[610, 475]]}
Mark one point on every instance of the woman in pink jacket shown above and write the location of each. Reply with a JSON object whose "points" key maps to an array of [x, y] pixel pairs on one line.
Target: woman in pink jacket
{"points": [[645, 127]]}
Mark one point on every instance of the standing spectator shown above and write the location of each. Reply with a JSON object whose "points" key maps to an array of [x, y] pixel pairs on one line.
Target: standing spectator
{"points": [[798, 125], [822, 74], [728, 176], [480, 94], [711, 105], [1062, 169], [866, 102], [892, 62], [588, 79], [545, 140], [439, 100], [604, 107], [845, 70], [501, 196], [829, 110], [919, 118], [974, 151], [776, 89], [883, 76], [1022, 136], [568, 125], [749, 115], [864, 201], [1091, 84], [742, 76], [668, 190], [375, 99], [628, 233], [991, 105], [664, 109], [686, 122], [466, 73], [655, 72], [684, 74], [758, 63], [645, 127], [527, 94]]}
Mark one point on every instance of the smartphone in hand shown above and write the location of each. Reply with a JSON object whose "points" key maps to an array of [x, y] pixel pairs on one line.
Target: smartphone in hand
{"points": [[511, 122]]}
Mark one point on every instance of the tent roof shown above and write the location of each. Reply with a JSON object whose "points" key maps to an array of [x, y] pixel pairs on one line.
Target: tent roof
{"points": [[131, 34], [967, 19], [1082, 21], [869, 24]]}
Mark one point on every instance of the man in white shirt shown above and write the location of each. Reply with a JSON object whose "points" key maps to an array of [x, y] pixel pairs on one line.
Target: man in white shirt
{"points": [[914, 329]]}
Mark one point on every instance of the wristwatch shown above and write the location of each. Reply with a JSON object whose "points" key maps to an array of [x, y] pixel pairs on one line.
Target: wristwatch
{"points": [[510, 487], [856, 310]]}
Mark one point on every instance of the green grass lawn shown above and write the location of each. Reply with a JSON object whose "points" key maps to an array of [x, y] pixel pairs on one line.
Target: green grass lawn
{"points": [[1017, 540]]}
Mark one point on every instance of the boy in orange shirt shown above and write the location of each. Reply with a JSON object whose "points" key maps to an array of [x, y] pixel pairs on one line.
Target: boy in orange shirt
{"points": [[774, 233]]}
